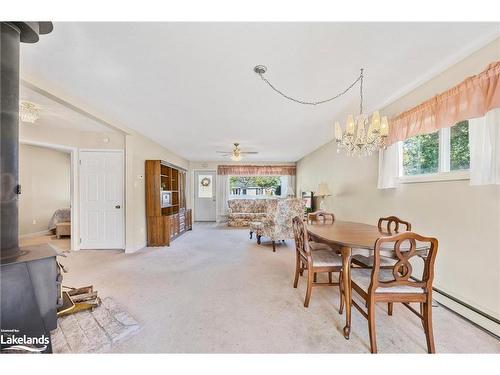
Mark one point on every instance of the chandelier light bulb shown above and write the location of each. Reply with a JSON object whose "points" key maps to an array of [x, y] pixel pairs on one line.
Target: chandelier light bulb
{"points": [[376, 122], [350, 127], [384, 127], [338, 131]]}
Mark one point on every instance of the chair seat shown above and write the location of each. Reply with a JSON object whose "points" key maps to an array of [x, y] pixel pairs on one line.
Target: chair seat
{"points": [[387, 250], [326, 258], [362, 278], [256, 225], [315, 246], [368, 260]]}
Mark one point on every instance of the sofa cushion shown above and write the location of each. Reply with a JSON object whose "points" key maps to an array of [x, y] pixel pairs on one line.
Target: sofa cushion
{"points": [[241, 205], [260, 205]]}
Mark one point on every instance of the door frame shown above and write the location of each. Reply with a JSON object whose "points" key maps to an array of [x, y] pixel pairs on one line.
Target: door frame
{"points": [[74, 186], [122, 152], [195, 188]]}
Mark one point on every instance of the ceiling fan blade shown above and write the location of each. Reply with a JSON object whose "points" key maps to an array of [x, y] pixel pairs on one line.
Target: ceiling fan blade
{"points": [[224, 152], [248, 152]]}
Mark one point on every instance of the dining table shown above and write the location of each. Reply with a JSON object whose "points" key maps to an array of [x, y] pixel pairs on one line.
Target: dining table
{"points": [[346, 237]]}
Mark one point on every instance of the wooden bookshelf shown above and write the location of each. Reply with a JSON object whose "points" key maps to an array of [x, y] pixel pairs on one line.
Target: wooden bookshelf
{"points": [[165, 223]]}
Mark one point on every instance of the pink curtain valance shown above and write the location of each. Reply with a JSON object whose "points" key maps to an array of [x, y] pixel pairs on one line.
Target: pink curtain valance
{"points": [[469, 99], [257, 170]]}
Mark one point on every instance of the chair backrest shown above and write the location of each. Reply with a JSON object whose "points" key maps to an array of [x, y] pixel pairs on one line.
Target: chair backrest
{"points": [[391, 224], [404, 247], [301, 236], [320, 217], [286, 209]]}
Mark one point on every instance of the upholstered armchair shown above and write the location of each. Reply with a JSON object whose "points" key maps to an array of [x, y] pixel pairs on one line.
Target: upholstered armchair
{"points": [[277, 225]]}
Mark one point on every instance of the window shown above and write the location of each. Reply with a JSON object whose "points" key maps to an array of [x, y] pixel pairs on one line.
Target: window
{"points": [[435, 155], [421, 154], [254, 186], [205, 186], [459, 146]]}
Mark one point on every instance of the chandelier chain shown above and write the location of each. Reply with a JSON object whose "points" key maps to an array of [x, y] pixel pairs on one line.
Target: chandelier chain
{"points": [[361, 92], [358, 79]]}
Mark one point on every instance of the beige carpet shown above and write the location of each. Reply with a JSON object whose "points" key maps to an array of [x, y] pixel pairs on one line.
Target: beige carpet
{"points": [[214, 291]]}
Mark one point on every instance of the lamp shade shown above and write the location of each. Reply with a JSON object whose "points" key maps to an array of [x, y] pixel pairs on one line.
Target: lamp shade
{"points": [[323, 190]]}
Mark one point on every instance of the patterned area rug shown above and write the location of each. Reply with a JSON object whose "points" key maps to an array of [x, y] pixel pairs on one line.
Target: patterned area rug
{"points": [[93, 331]]}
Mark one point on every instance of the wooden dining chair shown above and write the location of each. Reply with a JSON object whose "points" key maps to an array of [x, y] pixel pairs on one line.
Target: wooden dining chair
{"points": [[390, 225], [314, 262], [398, 284], [320, 217], [317, 218]]}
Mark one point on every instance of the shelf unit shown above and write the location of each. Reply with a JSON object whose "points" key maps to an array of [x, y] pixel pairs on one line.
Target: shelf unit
{"points": [[165, 224]]}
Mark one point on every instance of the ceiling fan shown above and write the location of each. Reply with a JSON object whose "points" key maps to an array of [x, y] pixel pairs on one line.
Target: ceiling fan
{"points": [[236, 153]]}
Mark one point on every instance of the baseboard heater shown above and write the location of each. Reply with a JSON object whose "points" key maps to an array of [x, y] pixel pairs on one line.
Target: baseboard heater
{"points": [[475, 316]]}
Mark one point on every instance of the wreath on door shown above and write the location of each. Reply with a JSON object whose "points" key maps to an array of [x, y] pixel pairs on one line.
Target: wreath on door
{"points": [[205, 182]]}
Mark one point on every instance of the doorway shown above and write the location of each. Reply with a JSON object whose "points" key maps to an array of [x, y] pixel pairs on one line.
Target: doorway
{"points": [[205, 196], [101, 199], [41, 188]]}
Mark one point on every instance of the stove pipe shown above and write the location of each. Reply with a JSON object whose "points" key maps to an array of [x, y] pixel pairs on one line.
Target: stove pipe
{"points": [[11, 35]]}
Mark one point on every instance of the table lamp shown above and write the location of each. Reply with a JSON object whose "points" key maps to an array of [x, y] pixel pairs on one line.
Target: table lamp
{"points": [[323, 192]]}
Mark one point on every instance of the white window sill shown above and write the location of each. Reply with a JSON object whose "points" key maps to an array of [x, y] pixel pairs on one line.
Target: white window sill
{"points": [[435, 177]]}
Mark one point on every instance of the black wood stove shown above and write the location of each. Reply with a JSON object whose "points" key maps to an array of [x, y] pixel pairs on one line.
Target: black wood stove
{"points": [[29, 277]]}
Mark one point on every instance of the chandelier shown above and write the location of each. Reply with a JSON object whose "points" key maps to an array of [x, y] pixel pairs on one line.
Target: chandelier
{"points": [[28, 112], [360, 137]]}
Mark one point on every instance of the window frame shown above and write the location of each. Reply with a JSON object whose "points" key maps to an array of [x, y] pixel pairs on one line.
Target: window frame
{"points": [[444, 173], [249, 196]]}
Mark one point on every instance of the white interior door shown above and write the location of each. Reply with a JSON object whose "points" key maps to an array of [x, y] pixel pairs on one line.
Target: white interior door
{"points": [[204, 200], [101, 200]]}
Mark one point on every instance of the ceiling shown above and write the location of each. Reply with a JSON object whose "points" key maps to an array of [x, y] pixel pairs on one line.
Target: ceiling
{"points": [[55, 114], [191, 86]]}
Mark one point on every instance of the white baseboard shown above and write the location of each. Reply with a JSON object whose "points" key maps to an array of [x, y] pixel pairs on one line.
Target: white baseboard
{"points": [[475, 316], [129, 250], [35, 234]]}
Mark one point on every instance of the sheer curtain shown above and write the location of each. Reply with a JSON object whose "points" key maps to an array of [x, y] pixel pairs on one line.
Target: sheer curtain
{"points": [[222, 197], [292, 186], [484, 142], [388, 167], [287, 186]]}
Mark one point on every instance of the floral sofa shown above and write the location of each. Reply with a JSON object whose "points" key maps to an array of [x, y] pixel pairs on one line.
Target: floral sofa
{"points": [[277, 223], [243, 211]]}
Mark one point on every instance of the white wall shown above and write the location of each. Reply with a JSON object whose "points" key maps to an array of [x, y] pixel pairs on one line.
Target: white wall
{"points": [[44, 176], [464, 218], [72, 138]]}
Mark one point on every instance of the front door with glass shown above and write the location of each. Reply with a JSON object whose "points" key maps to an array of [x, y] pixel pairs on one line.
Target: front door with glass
{"points": [[205, 196]]}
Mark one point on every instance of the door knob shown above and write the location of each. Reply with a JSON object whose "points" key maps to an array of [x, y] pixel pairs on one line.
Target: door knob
{"points": [[117, 206]]}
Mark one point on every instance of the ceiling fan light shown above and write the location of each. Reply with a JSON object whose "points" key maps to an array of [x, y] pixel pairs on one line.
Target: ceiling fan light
{"points": [[28, 112], [236, 157]]}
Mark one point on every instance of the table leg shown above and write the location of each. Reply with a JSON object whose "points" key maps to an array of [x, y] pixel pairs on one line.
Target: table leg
{"points": [[346, 279]]}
